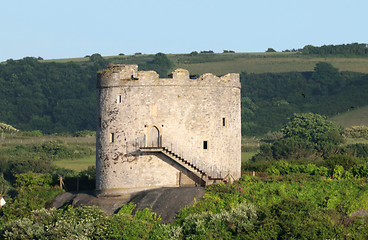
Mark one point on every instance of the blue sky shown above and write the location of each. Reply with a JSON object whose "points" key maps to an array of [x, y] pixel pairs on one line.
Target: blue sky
{"points": [[75, 28]]}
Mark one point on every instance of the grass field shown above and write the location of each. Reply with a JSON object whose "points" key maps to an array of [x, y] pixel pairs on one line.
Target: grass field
{"points": [[78, 164], [275, 64], [358, 117], [222, 63]]}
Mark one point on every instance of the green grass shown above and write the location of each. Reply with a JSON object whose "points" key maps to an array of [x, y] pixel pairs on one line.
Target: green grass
{"points": [[358, 117], [274, 64], [9, 140], [349, 141], [223, 63], [246, 156], [78, 164]]}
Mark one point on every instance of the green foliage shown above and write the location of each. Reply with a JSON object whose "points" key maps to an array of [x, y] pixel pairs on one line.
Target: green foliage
{"points": [[292, 148], [33, 191], [284, 168], [223, 225], [305, 136], [352, 49], [357, 132], [161, 64], [361, 170], [357, 150], [294, 219], [7, 128], [34, 95], [50, 150], [85, 133], [127, 208], [277, 96], [68, 223], [338, 172], [313, 128], [125, 226], [327, 79], [347, 162], [270, 50]]}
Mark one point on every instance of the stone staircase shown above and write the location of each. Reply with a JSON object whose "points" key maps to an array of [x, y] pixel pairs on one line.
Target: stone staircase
{"points": [[191, 166]]}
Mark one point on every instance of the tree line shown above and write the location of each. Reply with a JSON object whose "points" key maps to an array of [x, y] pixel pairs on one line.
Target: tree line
{"points": [[352, 49], [269, 99], [61, 97]]}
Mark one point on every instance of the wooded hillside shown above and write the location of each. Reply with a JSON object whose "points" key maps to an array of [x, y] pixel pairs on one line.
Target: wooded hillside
{"points": [[59, 96]]}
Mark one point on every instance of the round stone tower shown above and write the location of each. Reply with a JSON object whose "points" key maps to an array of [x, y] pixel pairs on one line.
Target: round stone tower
{"points": [[176, 131]]}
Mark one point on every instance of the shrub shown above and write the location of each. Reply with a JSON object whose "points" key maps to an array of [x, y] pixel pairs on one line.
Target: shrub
{"points": [[7, 128], [361, 170], [357, 132], [125, 226], [357, 150], [85, 133], [33, 191], [284, 168], [346, 161], [313, 128], [338, 172], [222, 225], [67, 223], [294, 219]]}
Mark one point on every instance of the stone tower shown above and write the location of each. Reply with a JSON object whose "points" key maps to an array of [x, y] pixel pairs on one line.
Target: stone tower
{"points": [[160, 132]]}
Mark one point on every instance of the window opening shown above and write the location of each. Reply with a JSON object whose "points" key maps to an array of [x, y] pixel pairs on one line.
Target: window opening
{"points": [[224, 122], [112, 137], [119, 99], [205, 145]]}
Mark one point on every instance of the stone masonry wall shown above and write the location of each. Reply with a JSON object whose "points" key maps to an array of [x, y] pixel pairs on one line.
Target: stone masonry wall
{"points": [[188, 114]]}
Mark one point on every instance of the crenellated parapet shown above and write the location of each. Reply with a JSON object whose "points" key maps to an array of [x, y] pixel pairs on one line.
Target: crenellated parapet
{"points": [[128, 75]]}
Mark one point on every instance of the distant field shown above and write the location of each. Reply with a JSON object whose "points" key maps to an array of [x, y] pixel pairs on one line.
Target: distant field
{"points": [[64, 60], [356, 117], [246, 156], [222, 63], [275, 64], [78, 164]]}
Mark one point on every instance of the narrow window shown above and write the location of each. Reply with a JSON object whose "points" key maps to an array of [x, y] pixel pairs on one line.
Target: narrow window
{"points": [[224, 122], [119, 99], [112, 137], [205, 145]]}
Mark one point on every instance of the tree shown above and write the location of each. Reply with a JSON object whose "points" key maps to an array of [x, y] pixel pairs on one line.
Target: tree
{"points": [[327, 78], [161, 64], [313, 128], [270, 50]]}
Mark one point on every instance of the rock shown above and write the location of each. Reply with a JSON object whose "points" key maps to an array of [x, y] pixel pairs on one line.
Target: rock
{"points": [[166, 202]]}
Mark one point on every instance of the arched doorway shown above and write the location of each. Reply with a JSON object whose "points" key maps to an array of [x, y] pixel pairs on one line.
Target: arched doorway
{"points": [[154, 137]]}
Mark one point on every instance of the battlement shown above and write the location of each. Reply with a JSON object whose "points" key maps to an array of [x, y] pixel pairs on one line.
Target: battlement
{"points": [[128, 75]]}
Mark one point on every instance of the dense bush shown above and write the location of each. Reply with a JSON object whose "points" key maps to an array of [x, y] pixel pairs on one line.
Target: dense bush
{"points": [[357, 132], [284, 168], [352, 49], [32, 192], [358, 150], [50, 150], [313, 128], [235, 223], [68, 223], [294, 219], [82, 223], [124, 225], [305, 136]]}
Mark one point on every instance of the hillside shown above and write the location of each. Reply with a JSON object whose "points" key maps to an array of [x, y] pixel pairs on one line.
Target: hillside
{"points": [[59, 95], [356, 117], [223, 63]]}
